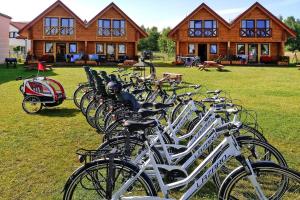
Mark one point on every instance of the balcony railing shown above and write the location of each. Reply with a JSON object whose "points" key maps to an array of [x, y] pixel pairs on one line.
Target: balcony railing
{"points": [[58, 30], [116, 32], [256, 32], [203, 32]]}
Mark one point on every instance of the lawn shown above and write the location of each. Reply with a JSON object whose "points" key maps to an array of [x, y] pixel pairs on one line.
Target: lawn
{"points": [[37, 152]]}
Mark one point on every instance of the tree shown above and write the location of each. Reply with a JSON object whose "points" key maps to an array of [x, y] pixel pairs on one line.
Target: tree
{"points": [[151, 42], [293, 43], [165, 44]]}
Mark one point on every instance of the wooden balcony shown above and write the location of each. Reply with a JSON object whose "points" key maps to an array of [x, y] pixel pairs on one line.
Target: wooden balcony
{"points": [[203, 32], [108, 32], [256, 32], [58, 30]]}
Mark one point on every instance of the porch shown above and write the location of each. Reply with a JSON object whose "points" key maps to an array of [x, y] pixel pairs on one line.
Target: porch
{"points": [[235, 53], [78, 52]]}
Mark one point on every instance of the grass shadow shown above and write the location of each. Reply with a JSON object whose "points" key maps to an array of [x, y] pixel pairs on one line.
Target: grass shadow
{"points": [[10, 74], [59, 112]]}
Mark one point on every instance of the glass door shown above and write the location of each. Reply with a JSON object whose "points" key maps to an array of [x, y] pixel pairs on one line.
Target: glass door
{"points": [[252, 53], [111, 52]]}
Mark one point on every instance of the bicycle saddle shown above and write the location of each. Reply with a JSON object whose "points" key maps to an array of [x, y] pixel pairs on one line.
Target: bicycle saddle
{"points": [[163, 105], [137, 125], [147, 112]]}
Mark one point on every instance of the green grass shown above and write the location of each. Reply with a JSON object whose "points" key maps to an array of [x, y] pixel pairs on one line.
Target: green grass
{"points": [[37, 152]]}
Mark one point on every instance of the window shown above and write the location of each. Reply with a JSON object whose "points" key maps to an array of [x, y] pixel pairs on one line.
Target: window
{"points": [[263, 28], [210, 24], [110, 49], [118, 27], [122, 49], [265, 49], [191, 49], [51, 26], [248, 24], [195, 28], [241, 49], [248, 28], [13, 34], [48, 47], [99, 48], [67, 26], [104, 27], [72, 48], [262, 23], [213, 49]]}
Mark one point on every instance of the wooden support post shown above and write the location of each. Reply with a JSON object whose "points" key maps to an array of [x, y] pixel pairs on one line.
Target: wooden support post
{"points": [[85, 47], [32, 47], [135, 49], [228, 48], [281, 49]]}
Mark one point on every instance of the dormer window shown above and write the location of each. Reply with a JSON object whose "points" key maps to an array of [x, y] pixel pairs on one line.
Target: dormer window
{"points": [[263, 28], [108, 27], [255, 28], [66, 26], [248, 28], [51, 26], [118, 27], [202, 28], [104, 27]]}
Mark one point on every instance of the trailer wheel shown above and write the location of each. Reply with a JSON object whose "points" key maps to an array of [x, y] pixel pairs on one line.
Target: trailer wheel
{"points": [[31, 104]]}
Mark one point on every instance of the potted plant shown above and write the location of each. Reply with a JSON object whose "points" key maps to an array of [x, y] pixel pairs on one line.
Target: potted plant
{"points": [[266, 59], [225, 61], [236, 60], [283, 60]]}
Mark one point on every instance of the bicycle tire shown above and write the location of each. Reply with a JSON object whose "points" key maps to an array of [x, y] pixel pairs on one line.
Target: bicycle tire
{"points": [[282, 176], [85, 172], [269, 151], [76, 97]]}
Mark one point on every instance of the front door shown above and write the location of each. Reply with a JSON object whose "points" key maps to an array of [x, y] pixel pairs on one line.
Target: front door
{"points": [[252, 53], [111, 52], [202, 52], [60, 52]]}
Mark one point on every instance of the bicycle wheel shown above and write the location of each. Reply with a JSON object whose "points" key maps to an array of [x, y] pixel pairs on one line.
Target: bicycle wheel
{"points": [[253, 149], [276, 182], [246, 130], [100, 114], [91, 111], [100, 179], [79, 92], [85, 100]]}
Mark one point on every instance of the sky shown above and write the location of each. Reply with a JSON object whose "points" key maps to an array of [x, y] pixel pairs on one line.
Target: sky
{"points": [[159, 13]]}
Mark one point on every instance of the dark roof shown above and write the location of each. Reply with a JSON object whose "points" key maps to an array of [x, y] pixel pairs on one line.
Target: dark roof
{"points": [[112, 5], [3, 15], [201, 6], [19, 25]]}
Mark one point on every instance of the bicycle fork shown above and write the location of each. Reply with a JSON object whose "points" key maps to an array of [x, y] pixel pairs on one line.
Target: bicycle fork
{"points": [[252, 177]]}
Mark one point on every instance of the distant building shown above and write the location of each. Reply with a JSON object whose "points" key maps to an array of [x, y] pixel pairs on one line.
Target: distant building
{"points": [[253, 34], [4, 42], [18, 46]]}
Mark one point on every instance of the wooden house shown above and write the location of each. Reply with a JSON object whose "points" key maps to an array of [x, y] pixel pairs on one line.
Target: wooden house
{"points": [[60, 34], [253, 34]]}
